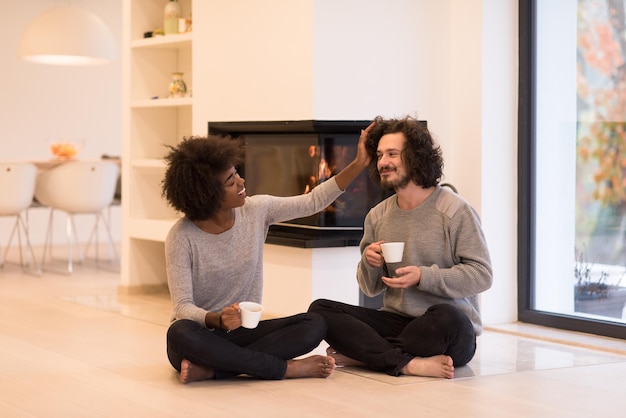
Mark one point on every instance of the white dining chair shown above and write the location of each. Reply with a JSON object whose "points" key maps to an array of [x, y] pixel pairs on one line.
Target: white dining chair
{"points": [[17, 188], [78, 188]]}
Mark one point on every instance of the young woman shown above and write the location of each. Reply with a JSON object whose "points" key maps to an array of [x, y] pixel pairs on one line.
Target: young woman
{"points": [[214, 257]]}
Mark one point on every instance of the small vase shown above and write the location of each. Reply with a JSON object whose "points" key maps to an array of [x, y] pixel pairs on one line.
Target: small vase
{"points": [[178, 88], [171, 14]]}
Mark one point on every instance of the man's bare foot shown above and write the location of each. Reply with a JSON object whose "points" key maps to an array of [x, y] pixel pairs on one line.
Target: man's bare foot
{"points": [[343, 361], [313, 366], [190, 372], [436, 366]]}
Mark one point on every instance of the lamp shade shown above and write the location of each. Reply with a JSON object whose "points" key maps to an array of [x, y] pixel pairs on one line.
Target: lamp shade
{"points": [[67, 36]]}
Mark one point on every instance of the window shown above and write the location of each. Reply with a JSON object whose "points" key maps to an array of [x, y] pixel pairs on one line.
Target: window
{"points": [[572, 159]]}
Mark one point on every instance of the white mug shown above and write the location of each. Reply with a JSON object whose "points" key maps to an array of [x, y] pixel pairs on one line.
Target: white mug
{"points": [[392, 251], [250, 314]]}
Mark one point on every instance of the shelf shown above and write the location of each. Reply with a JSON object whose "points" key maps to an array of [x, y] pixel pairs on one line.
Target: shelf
{"points": [[167, 102], [150, 229], [182, 40], [153, 121]]}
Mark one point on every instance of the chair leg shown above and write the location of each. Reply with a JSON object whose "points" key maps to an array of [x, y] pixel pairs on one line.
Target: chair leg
{"points": [[24, 225], [21, 227], [93, 238], [68, 230], [47, 250], [111, 244], [49, 242], [11, 235], [107, 222], [72, 243], [79, 252]]}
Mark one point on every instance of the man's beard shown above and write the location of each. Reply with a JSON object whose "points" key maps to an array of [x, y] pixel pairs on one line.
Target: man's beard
{"points": [[396, 184]]}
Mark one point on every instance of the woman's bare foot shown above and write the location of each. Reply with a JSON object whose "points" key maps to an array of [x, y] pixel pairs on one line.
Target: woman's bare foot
{"points": [[343, 361], [190, 372], [314, 366], [436, 366]]}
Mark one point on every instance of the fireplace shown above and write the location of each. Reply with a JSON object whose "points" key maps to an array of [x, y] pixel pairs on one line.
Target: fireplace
{"points": [[286, 158]]}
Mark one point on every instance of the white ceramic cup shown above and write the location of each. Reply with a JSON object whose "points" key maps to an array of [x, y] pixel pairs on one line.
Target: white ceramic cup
{"points": [[250, 314], [392, 251]]}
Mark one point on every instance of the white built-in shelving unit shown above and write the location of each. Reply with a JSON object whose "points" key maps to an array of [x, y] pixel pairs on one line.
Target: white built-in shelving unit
{"points": [[151, 120]]}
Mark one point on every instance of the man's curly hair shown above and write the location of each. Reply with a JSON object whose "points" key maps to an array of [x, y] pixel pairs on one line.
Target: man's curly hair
{"points": [[422, 157], [192, 183]]}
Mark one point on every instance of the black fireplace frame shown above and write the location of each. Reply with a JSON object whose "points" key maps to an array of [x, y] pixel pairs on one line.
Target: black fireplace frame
{"points": [[300, 236]]}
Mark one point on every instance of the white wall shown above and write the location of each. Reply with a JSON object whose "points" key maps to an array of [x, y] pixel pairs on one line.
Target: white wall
{"points": [[381, 58], [498, 155], [256, 61], [556, 126], [42, 103]]}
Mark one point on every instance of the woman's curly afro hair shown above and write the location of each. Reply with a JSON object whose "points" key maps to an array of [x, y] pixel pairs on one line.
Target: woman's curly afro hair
{"points": [[193, 183]]}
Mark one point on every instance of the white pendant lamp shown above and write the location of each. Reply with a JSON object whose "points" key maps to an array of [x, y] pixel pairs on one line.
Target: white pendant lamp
{"points": [[67, 36]]}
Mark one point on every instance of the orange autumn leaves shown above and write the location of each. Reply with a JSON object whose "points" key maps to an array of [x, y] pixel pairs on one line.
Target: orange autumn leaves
{"points": [[606, 143], [601, 90]]}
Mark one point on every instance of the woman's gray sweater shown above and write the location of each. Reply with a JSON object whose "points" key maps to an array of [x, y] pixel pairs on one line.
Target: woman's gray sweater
{"points": [[207, 272]]}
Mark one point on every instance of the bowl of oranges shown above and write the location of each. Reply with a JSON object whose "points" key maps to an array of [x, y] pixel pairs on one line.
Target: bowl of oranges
{"points": [[64, 150]]}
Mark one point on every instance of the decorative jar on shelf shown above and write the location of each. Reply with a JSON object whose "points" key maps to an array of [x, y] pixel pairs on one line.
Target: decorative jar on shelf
{"points": [[178, 88], [171, 14]]}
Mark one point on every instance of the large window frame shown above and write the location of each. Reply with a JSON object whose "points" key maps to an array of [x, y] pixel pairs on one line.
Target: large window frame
{"points": [[527, 192]]}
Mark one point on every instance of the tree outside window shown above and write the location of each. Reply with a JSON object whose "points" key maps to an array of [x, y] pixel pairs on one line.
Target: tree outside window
{"points": [[601, 142]]}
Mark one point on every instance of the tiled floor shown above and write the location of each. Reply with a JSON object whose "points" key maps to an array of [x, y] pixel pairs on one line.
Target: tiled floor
{"points": [[71, 346]]}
